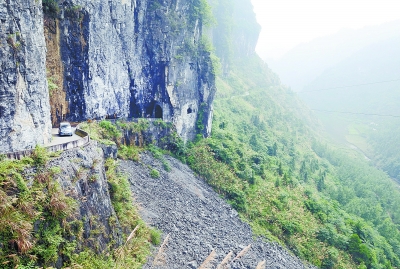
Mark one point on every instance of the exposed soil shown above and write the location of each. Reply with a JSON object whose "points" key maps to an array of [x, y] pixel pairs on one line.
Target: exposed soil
{"points": [[197, 221], [54, 69]]}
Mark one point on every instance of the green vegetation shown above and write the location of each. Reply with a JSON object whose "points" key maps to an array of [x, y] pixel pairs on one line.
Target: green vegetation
{"points": [[112, 134], [16, 45], [50, 8], [159, 154], [154, 173], [34, 213], [134, 252], [372, 124], [155, 237], [201, 10], [129, 153], [38, 221], [384, 141], [52, 85], [326, 205], [268, 158]]}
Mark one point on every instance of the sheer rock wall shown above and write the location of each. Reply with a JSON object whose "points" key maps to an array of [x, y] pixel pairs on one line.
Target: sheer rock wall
{"points": [[24, 97], [118, 58], [136, 59]]}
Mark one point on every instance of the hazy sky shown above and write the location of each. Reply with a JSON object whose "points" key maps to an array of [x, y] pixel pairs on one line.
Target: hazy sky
{"points": [[286, 23]]}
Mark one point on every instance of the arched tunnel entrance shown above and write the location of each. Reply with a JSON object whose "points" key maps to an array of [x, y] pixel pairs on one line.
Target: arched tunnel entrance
{"points": [[158, 113]]}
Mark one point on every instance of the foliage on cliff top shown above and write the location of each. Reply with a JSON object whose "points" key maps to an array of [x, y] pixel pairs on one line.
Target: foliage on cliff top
{"points": [[109, 133], [130, 137], [50, 8]]}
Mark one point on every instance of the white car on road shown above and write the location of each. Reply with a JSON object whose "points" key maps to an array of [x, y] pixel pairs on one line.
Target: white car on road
{"points": [[65, 129]]}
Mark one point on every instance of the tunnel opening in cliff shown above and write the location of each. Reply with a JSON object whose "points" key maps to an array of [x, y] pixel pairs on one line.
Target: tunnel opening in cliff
{"points": [[158, 113]]}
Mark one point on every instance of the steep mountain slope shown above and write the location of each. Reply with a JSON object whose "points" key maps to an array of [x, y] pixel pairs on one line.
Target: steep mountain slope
{"points": [[326, 205], [362, 57], [68, 210], [266, 157], [269, 159], [196, 220]]}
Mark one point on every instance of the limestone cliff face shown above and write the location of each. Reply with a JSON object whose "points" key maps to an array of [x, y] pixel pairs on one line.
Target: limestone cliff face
{"points": [[105, 58], [137, 59], [24, 98]]}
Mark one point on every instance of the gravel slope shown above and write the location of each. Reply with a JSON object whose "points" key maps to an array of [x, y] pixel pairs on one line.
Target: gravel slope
{"points": [[197, 220]]}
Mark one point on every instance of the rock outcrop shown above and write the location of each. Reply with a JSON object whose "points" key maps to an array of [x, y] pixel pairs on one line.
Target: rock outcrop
{"points": [[24, 97], [137, 59], [82, 177], [236, 32], [129, 58]]}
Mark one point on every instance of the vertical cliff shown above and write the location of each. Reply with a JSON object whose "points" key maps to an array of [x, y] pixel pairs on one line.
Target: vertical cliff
{"points": [[24, 98], [236, 32], [118, 58], [137, 59]]}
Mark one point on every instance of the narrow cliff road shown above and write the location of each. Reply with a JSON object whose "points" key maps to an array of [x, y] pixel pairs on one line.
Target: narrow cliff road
{"points": [[197, 221], [57, 140]]}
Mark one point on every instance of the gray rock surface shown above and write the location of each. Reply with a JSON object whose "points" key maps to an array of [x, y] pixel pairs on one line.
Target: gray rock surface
{"points": [[197, 220], [109, 151], [129, 58], [82, 177], [136, 59], [24, 97]]}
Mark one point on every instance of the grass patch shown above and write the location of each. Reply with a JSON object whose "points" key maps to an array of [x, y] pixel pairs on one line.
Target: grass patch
{"points": [[155, 235], [159, 154], [37, 220], [129, 153], [39, 203], [154, 173]]}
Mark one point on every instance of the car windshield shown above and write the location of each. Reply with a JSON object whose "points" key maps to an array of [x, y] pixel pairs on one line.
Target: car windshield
{"points": [[65, 127]]}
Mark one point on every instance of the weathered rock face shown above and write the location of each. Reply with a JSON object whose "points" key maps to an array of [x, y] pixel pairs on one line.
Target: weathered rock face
{"points": [[24, 98], [112, 58], [83, 178], [137, 59]]}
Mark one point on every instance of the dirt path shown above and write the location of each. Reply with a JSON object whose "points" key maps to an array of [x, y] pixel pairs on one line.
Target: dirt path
{"points": [[197, 221]]}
